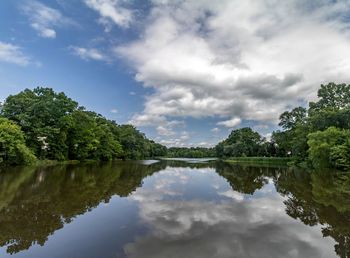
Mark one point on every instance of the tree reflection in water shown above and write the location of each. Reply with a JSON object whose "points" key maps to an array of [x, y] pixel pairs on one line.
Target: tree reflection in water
{"points": [[36, 202]]}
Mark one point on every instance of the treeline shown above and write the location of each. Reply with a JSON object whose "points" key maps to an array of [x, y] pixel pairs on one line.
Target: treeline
{"points": [[42, 124], [192, 152], [318, 135]]}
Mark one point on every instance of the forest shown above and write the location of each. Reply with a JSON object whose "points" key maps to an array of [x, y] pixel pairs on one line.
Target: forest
{"points": [[41, 124], [45, 125]]}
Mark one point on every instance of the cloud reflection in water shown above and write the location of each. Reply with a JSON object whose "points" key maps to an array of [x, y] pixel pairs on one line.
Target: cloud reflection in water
{"points": [[223, 223]]}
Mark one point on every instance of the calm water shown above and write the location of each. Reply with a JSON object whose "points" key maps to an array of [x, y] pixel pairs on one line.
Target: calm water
{"points": [[173, 209]]}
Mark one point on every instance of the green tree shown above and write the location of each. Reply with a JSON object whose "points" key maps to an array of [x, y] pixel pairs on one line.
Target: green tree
{"points": [[241, 142], [135, 144], [42, 113], [13, 150], [82, 141], [290, 119], [90, 136], [332, 96], [330, 148]]}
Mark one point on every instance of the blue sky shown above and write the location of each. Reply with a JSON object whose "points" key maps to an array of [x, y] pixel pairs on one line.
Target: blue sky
{"points": [[184, 72]]}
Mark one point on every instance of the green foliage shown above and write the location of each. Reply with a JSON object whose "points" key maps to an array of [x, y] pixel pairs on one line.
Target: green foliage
{"points": [[56, 128], [330, 148], [289, 120], [193, 152], [319, 135], [316, 134], [240, 143], [136, 145], [282, 143], [42, 115], [332, 96], [13, 150]]}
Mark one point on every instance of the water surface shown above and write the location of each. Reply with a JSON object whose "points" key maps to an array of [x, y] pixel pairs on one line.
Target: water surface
{"points": [[173, 209]]}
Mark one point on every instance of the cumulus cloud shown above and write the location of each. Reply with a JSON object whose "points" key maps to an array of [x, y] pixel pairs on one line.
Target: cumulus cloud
{"points": [[231, 122], [10, 53], [246, 60], [175, 139], [111, 12], [163, 126], [89, 53], [44, 19]]}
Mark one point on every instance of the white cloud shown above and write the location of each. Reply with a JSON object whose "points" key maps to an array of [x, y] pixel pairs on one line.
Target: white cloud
{"points": [[114, 111], [44, 19], [215, 130], [164, 131], [245, 60], [231, 122], [268, 136], [111, 11], [204, 144], [163, 126], [10, 53], [175, 139], [89, 53]]}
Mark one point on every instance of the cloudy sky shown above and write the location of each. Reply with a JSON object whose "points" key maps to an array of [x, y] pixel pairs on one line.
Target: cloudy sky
{"points": [[183, 72]]}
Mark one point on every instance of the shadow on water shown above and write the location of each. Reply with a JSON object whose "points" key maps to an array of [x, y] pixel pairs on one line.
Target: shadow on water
{"points": [[36, 202]]}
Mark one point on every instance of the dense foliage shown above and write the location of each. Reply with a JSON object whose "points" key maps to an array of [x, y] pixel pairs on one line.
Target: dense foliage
{"points": [[55, 127], [318, 135], [12, 144], [330, 148], [243, 142], [193, 152]]}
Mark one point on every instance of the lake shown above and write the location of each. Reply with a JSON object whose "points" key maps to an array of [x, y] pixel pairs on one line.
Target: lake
{"points": [[173, 208]]}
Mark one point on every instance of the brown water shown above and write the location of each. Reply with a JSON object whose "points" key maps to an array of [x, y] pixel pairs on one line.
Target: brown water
{"points": [[173, 209]]}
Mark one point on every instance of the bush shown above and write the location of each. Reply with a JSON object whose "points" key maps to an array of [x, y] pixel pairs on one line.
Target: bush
{"points": [[13, 150], [330, 148]]}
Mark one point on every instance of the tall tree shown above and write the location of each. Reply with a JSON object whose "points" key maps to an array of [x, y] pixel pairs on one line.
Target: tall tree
{"points": [[290, 119], [332, 96], [240, 142], [13, 150], [42, 115]]}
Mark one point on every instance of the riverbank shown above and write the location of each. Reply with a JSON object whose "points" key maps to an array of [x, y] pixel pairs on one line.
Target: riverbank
{"points": [[259, 160]]}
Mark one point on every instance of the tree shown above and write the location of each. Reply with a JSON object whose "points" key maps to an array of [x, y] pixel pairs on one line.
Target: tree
{"points": [[282, 142], [135, 144], [289, 120], [241, 142], [90, 136], [330, 148], [332, 96], [42, 113], [192, 152], [57, 128], [13, 150]]}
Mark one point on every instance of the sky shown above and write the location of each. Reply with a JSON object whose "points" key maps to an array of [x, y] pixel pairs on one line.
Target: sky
{"points": [[185, 73]]}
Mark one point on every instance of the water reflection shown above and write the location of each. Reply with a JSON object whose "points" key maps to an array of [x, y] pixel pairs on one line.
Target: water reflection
{"points": [[37, 202], [212, 209]]}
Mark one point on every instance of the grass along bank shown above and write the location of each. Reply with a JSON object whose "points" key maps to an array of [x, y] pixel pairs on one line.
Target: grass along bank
{"points": [[259, 160]]}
